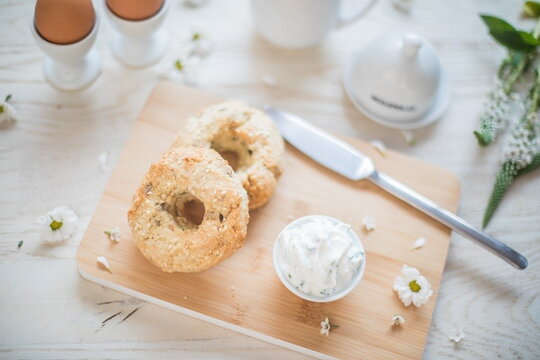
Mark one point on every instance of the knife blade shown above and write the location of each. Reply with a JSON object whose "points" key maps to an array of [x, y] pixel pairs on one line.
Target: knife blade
{"points": [[347, 161]]}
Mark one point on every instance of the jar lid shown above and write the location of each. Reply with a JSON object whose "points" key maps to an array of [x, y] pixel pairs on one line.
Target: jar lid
{"points": [[397, 80]]}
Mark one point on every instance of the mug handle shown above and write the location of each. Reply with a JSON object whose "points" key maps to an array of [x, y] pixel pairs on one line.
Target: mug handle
{"points": [[344, 20]]}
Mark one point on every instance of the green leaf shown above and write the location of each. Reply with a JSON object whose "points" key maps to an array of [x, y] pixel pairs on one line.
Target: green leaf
{"points": [[505, 177], [484, 137], [20, 244], [8, 97], [531, 8], [506, 35]]}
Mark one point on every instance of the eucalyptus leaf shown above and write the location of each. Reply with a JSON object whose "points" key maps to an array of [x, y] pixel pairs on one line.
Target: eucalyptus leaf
{"points": [[531, 8], [508, 36]]}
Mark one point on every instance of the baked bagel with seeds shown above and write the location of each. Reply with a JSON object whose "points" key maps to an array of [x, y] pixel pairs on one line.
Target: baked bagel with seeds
{"points": [[247, 139], [190, 212]]}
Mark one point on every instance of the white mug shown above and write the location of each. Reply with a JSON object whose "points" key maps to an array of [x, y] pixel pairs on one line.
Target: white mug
{"points": [[298, 24]]}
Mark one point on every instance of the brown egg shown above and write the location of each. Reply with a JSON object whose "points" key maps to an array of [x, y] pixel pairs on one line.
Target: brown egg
{"points": [[135, 9], [64, 21]]}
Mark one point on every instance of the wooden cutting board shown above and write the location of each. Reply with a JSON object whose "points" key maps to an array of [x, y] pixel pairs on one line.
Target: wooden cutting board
{"points": [[243, 293]]}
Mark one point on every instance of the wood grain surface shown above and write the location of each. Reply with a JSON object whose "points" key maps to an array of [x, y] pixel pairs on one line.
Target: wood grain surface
{"points": [[244, 290], [50, 158]]}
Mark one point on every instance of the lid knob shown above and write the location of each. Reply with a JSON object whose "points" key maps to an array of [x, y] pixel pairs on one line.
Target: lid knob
{"points": [[410, 45]]}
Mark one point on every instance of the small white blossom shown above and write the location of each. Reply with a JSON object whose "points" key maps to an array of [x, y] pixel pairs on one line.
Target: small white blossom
{"points": [[58, 225], [325, 327], [269, 80], [457, 335], [379, 146], [104, 262], [409, 137], [114, 234], [397, 320], [412, 287], [369, 223], [200, 42], [103, 159], [187, 70], [419, 243], [8, 115]]}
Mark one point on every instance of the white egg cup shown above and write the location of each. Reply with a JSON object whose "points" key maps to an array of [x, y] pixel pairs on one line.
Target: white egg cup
{"points": [[70, 67], [336, 296], [139, 43]]}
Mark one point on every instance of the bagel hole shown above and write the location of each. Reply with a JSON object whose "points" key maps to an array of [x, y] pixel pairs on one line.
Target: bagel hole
{"points": [[233, 149], [231, 157], [193, 211], [187, 211]]}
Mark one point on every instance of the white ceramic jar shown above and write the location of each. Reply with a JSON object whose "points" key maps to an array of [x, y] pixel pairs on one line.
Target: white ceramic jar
{"points": [[398, 81]]}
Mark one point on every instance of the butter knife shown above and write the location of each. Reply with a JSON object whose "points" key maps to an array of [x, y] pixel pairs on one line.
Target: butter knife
{"points": [[347, 161]]}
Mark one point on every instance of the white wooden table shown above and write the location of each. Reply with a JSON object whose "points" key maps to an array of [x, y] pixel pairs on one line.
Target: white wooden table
{"points": [[50, 158]]}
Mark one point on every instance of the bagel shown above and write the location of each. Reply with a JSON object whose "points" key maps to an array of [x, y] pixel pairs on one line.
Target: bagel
{"points": [[247, 139], [165, 230]]}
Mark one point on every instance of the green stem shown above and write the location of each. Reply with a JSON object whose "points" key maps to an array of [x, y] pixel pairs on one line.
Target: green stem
{"points": [[516, 73], [536, 32], [535, 94]]}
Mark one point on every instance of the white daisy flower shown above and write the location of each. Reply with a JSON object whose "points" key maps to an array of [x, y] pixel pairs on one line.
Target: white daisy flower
{"points": [[457, 335], [412, 288], [114, 234], [397, 320], [419, 243], [104, 262], [8, 115], [369, 223], [325, 327], [58, 225], [187, 70], [199, 41]]}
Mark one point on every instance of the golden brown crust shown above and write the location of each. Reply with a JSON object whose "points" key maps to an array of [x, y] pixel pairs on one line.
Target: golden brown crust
{"points": [[234, 127], [164, 235]]}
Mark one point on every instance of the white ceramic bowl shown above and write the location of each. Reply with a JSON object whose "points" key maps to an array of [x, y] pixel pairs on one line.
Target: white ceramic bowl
{"points": [[335, 296]]}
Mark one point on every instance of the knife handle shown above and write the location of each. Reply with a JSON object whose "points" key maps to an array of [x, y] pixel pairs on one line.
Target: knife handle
{"points": [[449, 219]]}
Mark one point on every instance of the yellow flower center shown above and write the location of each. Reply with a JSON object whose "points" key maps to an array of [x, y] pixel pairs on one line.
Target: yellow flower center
{"points": [[413, 285], [55, 225]]}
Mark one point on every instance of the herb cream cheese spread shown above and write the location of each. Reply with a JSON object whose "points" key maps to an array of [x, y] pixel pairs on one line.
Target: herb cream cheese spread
{"points": [[319, 256]]}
